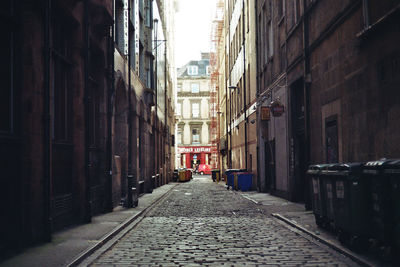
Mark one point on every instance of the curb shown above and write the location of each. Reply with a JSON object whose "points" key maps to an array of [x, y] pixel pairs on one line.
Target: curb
{"points": [[343, 251], [79, 259]]}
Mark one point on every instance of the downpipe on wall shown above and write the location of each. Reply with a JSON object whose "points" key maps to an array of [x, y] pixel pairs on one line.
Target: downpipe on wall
{"points": [[88, 203], [47, 216]]}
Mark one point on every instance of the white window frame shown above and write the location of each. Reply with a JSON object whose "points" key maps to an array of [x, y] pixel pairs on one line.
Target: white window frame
{"points": [[208, 70], [195, 88], [198, 110], [178, 110], [179, 135], [192, 70], [198, 134]]}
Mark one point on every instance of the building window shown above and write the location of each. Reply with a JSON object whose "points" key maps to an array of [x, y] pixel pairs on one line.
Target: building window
{"points": [[179, 136], [149, 73], [283, 58], [270, 39], [297, 10], [331, 141], [132, 54], [6, 70], [281, 8], [195, 110], [193, 70], [178, 109], [149, 13], [208, 70], [61, 89], [141, 62], [179, 87], [196, 135], [195, 88], [119, 25]]}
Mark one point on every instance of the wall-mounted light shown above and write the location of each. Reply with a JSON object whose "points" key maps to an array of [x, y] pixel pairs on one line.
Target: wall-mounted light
{"points": [[234, 88]]}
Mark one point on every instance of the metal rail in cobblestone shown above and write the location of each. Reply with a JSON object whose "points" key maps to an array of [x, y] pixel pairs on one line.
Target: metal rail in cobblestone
{"points": [[343, 251], [137, 217]]}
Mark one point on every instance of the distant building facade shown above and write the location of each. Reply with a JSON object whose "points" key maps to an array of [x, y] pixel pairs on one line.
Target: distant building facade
{"points": [[193, 114]]}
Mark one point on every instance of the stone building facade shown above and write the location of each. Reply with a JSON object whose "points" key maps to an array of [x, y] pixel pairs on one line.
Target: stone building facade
{"points": [[193, 114], [240, 86], [333, 67], [64, 133]]}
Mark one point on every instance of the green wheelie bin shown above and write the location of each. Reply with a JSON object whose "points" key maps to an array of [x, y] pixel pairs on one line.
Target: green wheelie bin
{"points": [[351, 209]]}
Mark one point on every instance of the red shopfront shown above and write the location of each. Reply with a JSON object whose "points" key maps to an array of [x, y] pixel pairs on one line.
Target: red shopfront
{"points": [[191, 155]]}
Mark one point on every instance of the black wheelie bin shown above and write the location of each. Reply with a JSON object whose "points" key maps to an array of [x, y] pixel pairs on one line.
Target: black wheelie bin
{"points": [[351, 205], [382, 220], [392, 171], [327, 181], [313, 174]]}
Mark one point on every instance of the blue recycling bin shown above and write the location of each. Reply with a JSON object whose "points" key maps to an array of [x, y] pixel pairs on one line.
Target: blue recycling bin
{"points": [[245, 180], [231, 177]]}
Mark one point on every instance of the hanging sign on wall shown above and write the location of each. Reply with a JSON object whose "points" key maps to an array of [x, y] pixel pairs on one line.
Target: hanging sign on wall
{"points": [[265, 114], [277, 108]]}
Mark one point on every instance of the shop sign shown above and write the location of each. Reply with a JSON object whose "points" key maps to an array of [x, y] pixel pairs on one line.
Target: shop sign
{"points": [[200, 149], [265, 114], [277, 108]]}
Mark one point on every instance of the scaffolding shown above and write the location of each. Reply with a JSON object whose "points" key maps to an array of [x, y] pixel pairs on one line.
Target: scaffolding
{"points": [[216, 34]]}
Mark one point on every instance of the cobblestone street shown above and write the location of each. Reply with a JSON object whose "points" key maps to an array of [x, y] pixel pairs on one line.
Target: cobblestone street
{"points": [[201, 223]]}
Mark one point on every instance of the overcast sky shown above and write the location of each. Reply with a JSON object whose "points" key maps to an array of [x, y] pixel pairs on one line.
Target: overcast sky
{"points": [[192, 25]]}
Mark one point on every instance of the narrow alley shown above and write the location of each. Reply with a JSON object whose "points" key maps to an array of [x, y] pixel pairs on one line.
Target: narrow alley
{"points": [[117, 115], [201, 223]]}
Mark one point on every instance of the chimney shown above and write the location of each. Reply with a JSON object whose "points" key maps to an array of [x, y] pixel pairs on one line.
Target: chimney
{"points": [[205, 55]]}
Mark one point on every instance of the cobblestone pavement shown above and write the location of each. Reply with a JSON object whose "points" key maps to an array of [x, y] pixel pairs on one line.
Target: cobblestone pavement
{"points": [[201, 223]]}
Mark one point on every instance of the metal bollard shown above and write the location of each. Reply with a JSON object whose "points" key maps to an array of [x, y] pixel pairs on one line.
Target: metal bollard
{"points": [[129, 202]]}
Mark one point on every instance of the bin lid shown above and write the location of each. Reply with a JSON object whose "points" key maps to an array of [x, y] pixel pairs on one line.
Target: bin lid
{"points": [[244, 173], [392, 167], [376, 167], [346, 168], [235, 170], [325, 168], [314, 169]]}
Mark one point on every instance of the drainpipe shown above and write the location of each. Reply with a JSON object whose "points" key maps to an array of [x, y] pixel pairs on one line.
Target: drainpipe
{"points": [[165, 105], [47, 219], [229, 130], [257, 96], [129, 202], [156, 130], [246, 148], [88, 212], [366, 13], [111, 90], [306, 89]]}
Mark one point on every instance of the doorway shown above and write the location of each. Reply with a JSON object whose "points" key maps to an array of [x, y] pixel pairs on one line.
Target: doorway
{"points": [[269, 150], [299, 147]]}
